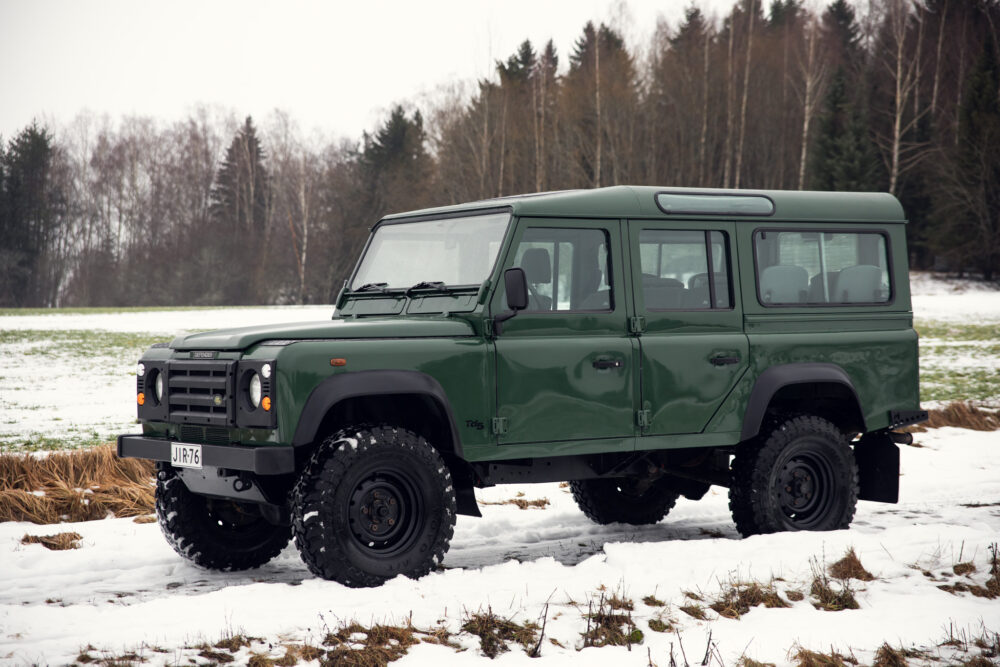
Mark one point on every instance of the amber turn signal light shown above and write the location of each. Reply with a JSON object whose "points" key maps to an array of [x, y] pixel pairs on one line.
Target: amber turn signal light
{"points": [[338, 362], [141, 398], [266, 403]]}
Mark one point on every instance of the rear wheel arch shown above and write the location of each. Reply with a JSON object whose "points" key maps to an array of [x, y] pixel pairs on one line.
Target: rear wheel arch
{"points": [[824, 390]]}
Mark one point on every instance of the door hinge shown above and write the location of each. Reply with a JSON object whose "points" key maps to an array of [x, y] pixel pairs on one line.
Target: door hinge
{"points": [[644, 418], [636, 324], [488, 327], [499, 425]]}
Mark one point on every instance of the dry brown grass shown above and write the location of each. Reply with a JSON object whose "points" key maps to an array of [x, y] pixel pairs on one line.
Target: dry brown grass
{"points": [[744, 661], [806, 658], [695, 611], [495, 632], [521, 502], [887, 656], [653, 601], [57, 542], [79, 485], [610, 624], [850, 567], [737, 598], [828, 599], [961, 414], [381, 645], [964, 568]]}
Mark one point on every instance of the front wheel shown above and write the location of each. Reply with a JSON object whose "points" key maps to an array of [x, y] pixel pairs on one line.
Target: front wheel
{"points": [[371, 504], [216, 534], [802, 476]]}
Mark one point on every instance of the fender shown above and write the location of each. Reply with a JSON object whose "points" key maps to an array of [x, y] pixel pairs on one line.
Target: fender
{"points": [[774, 378], [337, 388]]}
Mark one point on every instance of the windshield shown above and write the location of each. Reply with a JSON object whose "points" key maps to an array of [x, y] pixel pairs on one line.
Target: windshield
{"points": [[452, 251]]}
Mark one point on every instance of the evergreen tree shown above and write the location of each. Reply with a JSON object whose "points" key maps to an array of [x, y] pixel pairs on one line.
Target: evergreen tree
{"points": [[240, 211], [844, 157], [968, 202], [396, 170], [30, 214]]}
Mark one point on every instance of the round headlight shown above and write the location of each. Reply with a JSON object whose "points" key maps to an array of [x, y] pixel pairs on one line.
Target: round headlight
{"points": [[255, 390], [140, 370], [265, 370], [158, 387]]}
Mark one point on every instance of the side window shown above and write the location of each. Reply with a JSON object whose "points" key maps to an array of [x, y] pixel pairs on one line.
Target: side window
{"points": [[820, 268], [684, 270], [567, 269]]}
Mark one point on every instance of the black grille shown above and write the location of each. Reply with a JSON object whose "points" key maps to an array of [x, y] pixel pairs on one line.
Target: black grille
{"points": [[201, 392], [210, 435]]}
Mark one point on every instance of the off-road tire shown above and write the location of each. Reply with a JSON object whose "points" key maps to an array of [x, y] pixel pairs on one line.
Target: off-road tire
{"points": [[215, 534], [354, 484], [607, 501], [799, 475]]}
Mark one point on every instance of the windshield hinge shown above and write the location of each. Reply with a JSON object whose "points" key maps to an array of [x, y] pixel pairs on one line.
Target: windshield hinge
{"points": [[643, 418], [499, 425], [636, 324]]}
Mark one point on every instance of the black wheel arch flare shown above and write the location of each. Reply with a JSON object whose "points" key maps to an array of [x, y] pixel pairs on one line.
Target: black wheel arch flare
{"points": [[772, 380]]}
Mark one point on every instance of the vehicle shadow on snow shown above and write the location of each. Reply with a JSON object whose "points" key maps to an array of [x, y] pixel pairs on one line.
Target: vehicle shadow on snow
{"points": [[572, 542]]}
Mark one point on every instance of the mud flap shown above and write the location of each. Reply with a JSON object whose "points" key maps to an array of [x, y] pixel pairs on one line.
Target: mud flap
{"points": [[465, 501], [877, 457]]}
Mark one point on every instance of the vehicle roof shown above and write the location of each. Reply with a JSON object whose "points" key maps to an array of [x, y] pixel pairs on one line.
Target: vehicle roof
{"points": [[631, 201]]}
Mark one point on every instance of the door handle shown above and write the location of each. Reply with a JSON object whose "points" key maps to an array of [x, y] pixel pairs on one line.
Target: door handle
{"points": [[723, 360], [608, 363]]}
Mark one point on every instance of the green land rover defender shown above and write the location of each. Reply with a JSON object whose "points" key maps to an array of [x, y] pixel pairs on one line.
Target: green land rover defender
{"points": [[641, 343]]}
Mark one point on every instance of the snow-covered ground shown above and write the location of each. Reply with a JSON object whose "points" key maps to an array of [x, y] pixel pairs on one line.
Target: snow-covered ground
{"points": [[125, 587]]}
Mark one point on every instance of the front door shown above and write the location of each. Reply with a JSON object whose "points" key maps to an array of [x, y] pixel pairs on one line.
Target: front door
{"points": [[566, 366], [692, 345]]}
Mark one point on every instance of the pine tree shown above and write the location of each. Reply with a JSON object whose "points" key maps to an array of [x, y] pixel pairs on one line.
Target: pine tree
{"points": [[30, 204], [240, 211], [396, 170], [844, 157]]}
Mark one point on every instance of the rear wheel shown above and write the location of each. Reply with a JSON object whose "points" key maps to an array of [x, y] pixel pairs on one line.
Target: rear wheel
{"points": [[371, 504], [216, 534], [624, 500], [801, 476]]}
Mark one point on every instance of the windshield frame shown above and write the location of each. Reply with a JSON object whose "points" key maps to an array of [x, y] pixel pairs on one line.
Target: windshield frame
{"points": [[427, 217]]}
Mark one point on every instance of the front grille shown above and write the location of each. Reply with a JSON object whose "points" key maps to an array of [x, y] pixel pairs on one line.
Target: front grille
{"points": [[201, 392], [210, 435]]}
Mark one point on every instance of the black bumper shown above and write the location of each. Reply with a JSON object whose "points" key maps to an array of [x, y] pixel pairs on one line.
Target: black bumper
{"points": [[260, 460]]}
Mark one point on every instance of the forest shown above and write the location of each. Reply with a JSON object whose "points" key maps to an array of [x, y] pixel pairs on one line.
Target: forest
{"points": [[900, 96]]}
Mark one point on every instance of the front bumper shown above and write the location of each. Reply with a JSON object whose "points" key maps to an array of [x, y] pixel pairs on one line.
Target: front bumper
{"points": [[260, 460]]}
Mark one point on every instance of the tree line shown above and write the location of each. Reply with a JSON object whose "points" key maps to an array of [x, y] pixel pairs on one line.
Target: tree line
{"points": [[902, 96]]}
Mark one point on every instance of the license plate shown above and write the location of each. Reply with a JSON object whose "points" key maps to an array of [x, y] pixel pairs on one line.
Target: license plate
{"points": [[185, 456]]}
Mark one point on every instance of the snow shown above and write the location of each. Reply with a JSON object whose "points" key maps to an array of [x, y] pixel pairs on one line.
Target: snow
{"points": [[124, 588]]}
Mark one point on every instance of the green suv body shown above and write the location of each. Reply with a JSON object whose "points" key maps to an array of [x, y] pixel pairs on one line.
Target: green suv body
{"points": [[642, 343]]}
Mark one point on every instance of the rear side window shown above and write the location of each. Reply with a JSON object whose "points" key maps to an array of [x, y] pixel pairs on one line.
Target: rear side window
{"points": [[684, 270], [821, 268]]}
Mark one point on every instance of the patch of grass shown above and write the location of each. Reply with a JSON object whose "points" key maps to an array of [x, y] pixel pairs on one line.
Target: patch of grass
{"points": [[28, 312], [608, 625], [216, 656], [521, 502], [695, 611], [963, 568], [738, 598], [795, 596], [57, 542], [960, 414], [887, 656], [826, 597], [956, 383], [659, 624], [744, 661], [653, 601], [495, 632], [806, 658], [79, 485], [850, 567], [89, 342], [953, 331]]}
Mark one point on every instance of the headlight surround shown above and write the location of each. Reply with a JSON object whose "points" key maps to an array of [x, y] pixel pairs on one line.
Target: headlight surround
{"points": [[158, 387], [254, 390]]}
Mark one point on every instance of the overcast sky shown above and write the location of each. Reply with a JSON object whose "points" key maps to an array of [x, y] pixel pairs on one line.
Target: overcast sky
{"points": [[333, 66]]}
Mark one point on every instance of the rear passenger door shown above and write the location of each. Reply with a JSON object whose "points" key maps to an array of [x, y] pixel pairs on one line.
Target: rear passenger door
{"points": [[692, 346]]}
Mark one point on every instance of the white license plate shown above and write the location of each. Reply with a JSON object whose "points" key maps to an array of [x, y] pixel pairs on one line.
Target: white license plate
{"points": [[185, 456]]}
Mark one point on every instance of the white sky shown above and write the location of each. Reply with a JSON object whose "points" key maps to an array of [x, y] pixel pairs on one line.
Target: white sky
{"points": [[333, 66]]}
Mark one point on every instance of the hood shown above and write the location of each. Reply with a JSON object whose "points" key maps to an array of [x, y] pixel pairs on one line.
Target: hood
{"points": [[244, 337]]}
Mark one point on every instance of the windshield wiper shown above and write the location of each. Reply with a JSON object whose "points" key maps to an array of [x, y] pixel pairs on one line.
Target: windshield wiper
{"points": [[370, 287], [427, 284]]}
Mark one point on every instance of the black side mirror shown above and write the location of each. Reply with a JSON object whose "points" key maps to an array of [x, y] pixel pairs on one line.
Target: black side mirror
{"points": [[516, 286]]}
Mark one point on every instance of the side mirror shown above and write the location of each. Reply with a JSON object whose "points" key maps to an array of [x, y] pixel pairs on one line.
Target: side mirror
{"points": [[516, 284]]}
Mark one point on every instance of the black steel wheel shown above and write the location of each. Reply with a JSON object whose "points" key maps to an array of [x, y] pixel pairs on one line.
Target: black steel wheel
{"points": [[371, 504], [213, 533], [624, 500], [801, 476]]}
